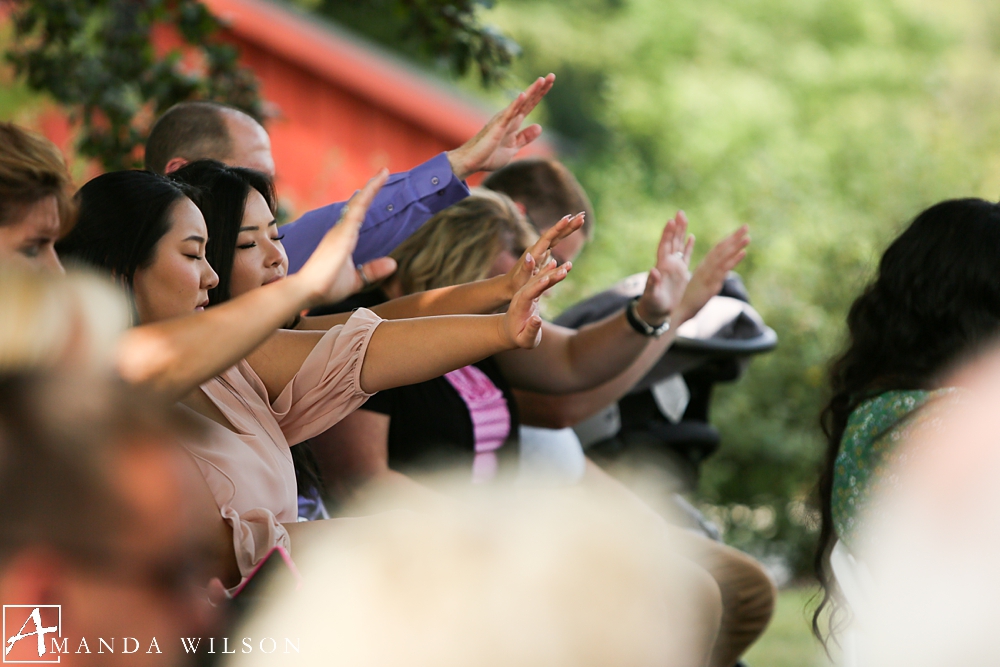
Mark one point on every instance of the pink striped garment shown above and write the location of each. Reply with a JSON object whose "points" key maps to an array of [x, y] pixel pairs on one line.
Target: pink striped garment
{"points": [[490, 418]]}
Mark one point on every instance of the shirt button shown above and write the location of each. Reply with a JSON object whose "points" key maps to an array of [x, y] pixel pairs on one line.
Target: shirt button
{"points": [[435, 180], [389, 208]]}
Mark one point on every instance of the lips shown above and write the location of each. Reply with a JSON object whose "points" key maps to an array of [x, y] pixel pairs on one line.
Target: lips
{"points": [[202, 305], [274, 279]]}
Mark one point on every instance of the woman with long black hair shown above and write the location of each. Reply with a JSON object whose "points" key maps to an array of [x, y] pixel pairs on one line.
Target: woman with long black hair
{"points": [[935, 301]]}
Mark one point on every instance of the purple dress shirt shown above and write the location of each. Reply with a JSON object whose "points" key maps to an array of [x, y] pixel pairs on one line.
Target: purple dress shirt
{"points": [[404, 203]]}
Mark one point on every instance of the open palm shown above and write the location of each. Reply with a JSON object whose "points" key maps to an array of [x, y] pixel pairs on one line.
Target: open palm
{"points": [[667, 281], [522, 323]]}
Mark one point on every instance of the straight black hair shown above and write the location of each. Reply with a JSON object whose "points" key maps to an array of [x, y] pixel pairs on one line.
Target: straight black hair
{"points": [[123, 215], [221, 193]]}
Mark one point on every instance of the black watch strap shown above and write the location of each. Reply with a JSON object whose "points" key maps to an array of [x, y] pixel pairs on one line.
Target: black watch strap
{"points": [[642, 327]]}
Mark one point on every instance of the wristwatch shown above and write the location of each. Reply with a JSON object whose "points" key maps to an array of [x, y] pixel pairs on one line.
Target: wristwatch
{"points": [[641, 326]]}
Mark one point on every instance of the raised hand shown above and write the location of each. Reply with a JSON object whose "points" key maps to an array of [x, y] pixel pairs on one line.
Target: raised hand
{"points": [[710, 274], [522, 325], [501, 138], [667, 281], [539, 255], [330, 275]]}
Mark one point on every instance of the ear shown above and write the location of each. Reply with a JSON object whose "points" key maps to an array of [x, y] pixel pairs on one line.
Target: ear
{"points": [[522, 208], [174, 164]]}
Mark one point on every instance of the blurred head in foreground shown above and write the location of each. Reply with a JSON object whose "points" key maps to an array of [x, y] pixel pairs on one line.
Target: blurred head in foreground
{"points": [[50, 321], [928, 560], [564, 582], [101, 516], [36, 208], [934, 302]]}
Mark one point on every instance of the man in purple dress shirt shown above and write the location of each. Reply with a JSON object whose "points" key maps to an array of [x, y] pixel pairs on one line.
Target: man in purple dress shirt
{"points": [[197, 130]]}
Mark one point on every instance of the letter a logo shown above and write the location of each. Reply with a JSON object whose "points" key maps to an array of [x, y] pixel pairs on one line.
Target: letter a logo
{"points": [[38, 622]]}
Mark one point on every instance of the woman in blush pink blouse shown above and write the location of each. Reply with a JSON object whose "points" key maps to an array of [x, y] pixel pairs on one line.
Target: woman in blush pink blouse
{"points": [[298, 383]]}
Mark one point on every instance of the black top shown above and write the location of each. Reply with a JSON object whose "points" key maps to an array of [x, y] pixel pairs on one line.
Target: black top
{"points": [[430, 425]]}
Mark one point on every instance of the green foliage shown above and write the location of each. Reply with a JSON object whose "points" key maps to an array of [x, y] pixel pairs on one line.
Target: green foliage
{"points": [[95, 58], [448, 33], [823, 124]]}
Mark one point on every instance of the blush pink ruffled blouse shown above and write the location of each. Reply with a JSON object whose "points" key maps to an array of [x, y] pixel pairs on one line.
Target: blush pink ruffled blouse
{"points": [[249, 469]]}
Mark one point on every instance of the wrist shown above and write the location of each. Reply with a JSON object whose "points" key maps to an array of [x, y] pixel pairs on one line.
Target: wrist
{"points": [[299, 292], [505, 340], [641, 326], [505, 289], [458, 166], [648, 315], [681, 315]]}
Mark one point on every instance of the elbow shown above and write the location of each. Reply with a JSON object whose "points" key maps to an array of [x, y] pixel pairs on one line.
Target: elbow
{"points": [[150, 360]]}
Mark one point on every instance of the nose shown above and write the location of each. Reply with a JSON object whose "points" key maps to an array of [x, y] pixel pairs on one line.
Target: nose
{"points": [[50, 261], [209, 278], [275, 255]]}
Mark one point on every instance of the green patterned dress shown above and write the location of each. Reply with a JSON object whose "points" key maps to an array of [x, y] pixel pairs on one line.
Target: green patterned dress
{"points": [[869, 445]]}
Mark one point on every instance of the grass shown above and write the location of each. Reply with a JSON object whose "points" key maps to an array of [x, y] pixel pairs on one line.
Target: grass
{"points": [[788, 641]]}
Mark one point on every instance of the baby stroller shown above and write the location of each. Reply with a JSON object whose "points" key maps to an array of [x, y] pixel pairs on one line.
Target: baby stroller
{"points": [[666, 415]]}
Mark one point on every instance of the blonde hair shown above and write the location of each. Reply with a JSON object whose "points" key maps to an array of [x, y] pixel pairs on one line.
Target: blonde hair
{"points": [[31, 169], [49, 320], [460, 244]]}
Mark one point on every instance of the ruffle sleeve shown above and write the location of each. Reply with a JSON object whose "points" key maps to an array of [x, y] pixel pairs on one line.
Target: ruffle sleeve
{"points": [[254, 534], [327, 387]]}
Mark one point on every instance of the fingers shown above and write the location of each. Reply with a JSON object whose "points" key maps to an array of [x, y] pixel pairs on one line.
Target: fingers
{"points": [[682, 225], [545, 280], [536, 91], [528, 134], [688, 249], [531, 335], [666, 244], [524, 104], [377, 269], [554, 234], [730, 250], [726, 254]]}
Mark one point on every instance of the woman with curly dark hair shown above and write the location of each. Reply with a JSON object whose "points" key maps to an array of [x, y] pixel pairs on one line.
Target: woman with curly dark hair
{"points": [[935, 301]]}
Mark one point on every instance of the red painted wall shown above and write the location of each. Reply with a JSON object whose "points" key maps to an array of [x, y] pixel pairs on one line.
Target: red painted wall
{"points": [[343, 109]]}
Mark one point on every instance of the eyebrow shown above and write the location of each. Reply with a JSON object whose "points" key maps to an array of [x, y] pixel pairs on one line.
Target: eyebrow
{"points": [[196, 238], [254, 228]]}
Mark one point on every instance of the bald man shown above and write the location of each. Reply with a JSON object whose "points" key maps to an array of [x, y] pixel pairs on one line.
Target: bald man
{"points": [[198, 130]]}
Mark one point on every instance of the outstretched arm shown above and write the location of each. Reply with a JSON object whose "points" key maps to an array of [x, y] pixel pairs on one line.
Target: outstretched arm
{"points": [[477, 298], [408, 351], [559, 411], [576, 360], [405, 352], [177, 355], [411, 198]]}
